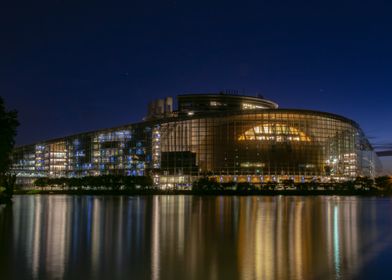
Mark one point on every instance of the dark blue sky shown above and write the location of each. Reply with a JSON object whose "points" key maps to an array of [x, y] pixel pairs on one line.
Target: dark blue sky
{"points": [[72, 66]]}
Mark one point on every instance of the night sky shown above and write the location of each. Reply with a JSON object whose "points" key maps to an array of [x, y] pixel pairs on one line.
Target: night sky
{"points": [[74, 66]]}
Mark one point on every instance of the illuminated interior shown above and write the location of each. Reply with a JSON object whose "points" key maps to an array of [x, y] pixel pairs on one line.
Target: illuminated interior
{"points": [[274, 132], [249, 106]]}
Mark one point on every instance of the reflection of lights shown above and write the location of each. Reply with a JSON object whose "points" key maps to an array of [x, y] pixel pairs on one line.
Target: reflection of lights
{"points": [[57, 237], [155, 252], [268, 237], [97, 226], [336, 240], [298, 240], [36, 238]]}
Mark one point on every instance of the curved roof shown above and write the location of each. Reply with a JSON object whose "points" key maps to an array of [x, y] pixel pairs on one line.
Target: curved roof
{"points": [[222, 102], [265, 111]]}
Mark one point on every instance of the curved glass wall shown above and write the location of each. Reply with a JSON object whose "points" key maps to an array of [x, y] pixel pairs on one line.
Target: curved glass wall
{"points": [[264, 146]]}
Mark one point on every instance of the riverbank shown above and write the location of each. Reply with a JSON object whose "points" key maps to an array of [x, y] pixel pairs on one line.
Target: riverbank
{"points": [[210, 192]]}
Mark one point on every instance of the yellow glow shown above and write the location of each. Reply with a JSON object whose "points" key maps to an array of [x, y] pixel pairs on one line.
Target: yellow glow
{"points": [[247, 106], [274, 132], [252, 164]]}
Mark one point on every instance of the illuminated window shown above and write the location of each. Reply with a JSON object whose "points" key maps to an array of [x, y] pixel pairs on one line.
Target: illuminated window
{"points": [[274, 132], [215, 103], [248, 106]]}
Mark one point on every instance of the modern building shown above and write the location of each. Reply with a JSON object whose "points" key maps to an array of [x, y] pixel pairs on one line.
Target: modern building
{"points": [[229, 137]]}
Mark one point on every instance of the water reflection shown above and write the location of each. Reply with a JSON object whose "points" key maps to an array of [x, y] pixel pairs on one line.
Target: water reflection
{"points": [[191, 237]]}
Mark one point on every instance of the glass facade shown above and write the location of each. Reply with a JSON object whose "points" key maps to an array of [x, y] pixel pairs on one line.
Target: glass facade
{"points": [[250, 143], [267, 146], [123, 151]]}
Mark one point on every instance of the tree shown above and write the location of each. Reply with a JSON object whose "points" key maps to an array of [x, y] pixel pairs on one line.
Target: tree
{"points": [[129, 183], [244, 186], [205, 184], [288, 183], [8, 125], [8, 182], [384, 183], [41, 182], [348, 185], [364, 182], [270, 185]]}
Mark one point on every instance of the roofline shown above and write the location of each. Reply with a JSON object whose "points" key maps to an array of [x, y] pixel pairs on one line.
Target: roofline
{"points": [[261, 111], [229, 95], [206, 114], [82, 133]]}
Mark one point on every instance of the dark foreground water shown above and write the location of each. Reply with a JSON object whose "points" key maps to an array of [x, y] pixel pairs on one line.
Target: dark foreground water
{"points": [[191, 237]]}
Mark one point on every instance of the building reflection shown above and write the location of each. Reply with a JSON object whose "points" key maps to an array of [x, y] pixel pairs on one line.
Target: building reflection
{"points": [[275, 238], [192, 237], [296, 238], [68, 237]]}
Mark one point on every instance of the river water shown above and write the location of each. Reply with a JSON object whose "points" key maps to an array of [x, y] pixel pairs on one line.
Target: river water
{"points": [[196, 237]]}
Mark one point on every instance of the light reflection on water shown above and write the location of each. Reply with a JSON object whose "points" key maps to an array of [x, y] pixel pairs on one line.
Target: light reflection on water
{"points": [[192, 237]]}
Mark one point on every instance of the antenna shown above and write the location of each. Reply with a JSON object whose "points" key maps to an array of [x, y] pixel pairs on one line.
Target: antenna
{"points": [[231, 92]]}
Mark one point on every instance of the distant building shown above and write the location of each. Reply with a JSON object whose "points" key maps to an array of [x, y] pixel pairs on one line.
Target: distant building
{"points": [[228, 137]]}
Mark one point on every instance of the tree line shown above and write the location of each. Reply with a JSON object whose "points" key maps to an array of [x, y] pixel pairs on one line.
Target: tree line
{"points": [[103, 182], [380, 184], [206, 185]]}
